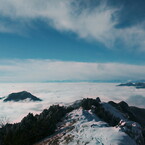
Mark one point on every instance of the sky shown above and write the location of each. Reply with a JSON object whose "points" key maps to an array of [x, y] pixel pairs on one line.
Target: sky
{"points": [[72, 40]]}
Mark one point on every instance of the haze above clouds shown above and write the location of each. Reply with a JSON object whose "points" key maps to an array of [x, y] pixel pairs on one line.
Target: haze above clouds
{"points": [[53, 70]]}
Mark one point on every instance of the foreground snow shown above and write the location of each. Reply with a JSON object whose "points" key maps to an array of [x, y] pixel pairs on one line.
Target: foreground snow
{"points": [[89, 129], [82, 127]]}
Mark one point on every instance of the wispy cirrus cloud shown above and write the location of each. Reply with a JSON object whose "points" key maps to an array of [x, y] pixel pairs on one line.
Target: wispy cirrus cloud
{"points": [[32, 70], [102, 21]]}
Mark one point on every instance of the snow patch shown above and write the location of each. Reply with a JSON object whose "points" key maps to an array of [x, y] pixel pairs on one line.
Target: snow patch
{"points": [[91, 130]]}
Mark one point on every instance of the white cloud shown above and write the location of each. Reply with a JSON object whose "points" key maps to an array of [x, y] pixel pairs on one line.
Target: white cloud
{"points": [[44, 70], [96, 24], [64, 93]]}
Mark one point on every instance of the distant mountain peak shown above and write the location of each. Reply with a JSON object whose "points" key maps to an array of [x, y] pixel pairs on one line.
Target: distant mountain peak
{"points": [[21, 96], [138, 85]]}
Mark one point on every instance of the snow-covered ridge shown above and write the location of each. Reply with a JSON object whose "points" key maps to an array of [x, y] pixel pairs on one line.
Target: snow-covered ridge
{"points": [[85, 122], [95, 123], [91, 130]]}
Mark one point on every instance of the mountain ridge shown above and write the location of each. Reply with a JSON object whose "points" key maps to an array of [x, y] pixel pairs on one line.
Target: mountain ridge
{"points": [[60, 125]]}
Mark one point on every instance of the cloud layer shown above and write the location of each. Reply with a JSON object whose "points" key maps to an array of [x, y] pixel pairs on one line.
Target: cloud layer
{"points": [[116, 24], [64, 93], [32, 70]]}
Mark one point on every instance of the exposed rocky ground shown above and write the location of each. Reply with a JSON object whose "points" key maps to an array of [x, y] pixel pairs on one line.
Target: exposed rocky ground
{"points": [[87, 121]]}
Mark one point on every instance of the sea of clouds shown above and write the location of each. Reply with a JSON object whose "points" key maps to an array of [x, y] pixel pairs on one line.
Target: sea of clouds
{"points": [[64, 93]]}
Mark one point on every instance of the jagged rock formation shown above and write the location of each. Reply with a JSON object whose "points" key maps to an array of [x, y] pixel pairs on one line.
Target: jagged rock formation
{"points": [[87, 121], [21, 96]]}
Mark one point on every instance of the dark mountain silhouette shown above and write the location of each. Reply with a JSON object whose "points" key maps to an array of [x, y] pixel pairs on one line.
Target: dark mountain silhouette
{"points": [[20, 96]]}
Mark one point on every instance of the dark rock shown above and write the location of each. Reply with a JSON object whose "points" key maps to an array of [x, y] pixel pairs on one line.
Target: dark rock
{"points": [[123, 105], [133, 129], [140, 114], [20, 96], [114, 104], [125, 109]]}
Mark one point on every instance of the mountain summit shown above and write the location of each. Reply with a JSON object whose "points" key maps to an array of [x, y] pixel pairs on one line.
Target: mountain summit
{"points": [[21, 96]]}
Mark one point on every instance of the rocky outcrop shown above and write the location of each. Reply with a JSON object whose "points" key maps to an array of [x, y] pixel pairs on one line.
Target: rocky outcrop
{"points": [[21, 96], [133, 129]]}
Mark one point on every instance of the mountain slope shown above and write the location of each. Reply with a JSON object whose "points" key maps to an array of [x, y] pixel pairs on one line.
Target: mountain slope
{"points": [[85, 122], [82, 126]]}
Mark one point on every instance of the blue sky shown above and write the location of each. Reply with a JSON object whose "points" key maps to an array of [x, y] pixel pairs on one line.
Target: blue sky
{"points": [[47, 43], [98, 32]]}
